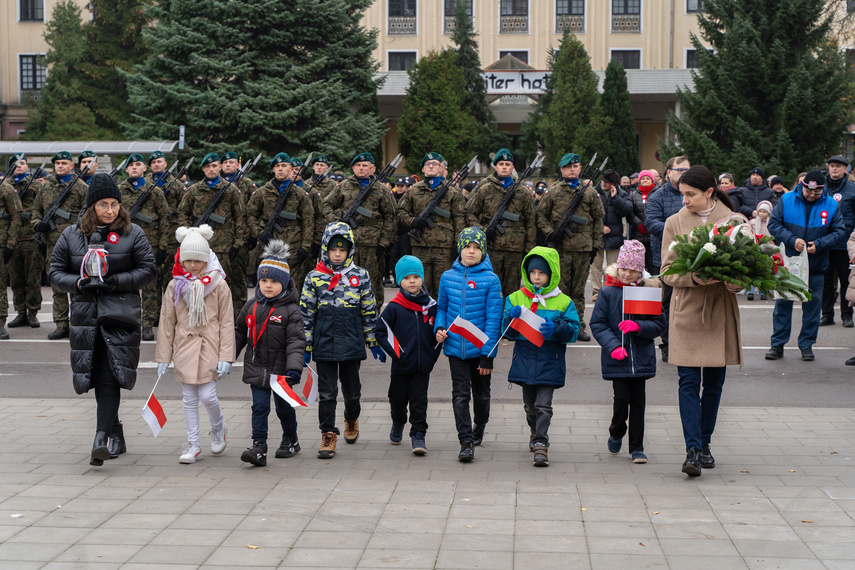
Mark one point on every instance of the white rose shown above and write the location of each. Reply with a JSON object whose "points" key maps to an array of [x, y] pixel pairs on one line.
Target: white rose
{"points": [[672, 246], [709, 247]]}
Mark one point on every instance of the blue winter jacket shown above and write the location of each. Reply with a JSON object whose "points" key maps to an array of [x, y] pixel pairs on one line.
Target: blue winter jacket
{"points": [[640, 347], [791, 220], [661, 205], [475, 294], [844, 194], [414, 331]]}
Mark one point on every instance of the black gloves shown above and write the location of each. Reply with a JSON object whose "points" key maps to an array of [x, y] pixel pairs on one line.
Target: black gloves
{"points": [[293, 377], [302, 255], [160, 256], [7, 255], [419, 223], [233, 252], [316, 250], [594, 254], [491, 235], [42, 227], [486, 363], [265, 237], [251, 243], [112, 283]]}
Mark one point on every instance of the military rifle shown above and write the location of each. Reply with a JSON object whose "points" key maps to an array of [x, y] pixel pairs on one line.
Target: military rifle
{"points": [[500, 219], [563, 228], [23, 192], [134, 212], [54, 209], [178, 176], [215, 201], [12, 168], [428, 215], [273, 222], [320, 179], [118, 169], [356, 208], [252, 165]]}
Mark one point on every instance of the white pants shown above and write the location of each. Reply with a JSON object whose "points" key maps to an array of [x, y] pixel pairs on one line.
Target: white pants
{"points": [[207, 393]]}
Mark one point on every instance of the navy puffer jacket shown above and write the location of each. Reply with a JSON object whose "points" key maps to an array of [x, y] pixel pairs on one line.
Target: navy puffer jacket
{"points": [[661, 205]]}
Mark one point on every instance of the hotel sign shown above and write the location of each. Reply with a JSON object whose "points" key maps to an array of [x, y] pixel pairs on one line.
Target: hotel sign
{"points": [[515, 82]]}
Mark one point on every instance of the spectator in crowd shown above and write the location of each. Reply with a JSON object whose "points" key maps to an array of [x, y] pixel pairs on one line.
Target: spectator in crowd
{"points": [[839, 187], [617, 206], [625, 184], [637, 230], [754, 192], [799, 179], [778, 188], [633, 179]]}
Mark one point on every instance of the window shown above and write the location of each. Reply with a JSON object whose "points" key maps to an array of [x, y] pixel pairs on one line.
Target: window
{"points": [[630, 58], [32, 74], [520, 55], [570, 14], [626, 16], [514, 7], [691, 59], [451, 11], [570, 7], [32, 10], [623, 7], [694, 6], [401, 60], [402, 17], [513, 17]]}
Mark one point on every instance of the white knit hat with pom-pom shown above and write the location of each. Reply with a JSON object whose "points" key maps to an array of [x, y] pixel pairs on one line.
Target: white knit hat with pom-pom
{"points": [[194, 242]]}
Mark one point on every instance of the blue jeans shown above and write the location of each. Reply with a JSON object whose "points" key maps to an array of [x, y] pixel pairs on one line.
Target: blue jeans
{"points": [[698, 412], [261, 409], [782, 316]]}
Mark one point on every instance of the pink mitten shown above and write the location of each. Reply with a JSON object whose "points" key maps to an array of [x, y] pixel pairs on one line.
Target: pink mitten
{"points": [[619, 353], [628, 326]]}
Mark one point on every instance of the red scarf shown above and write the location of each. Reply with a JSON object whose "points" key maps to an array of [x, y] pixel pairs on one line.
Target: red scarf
{"points": [[413, 306], [615, 282], [645, 190], [337, 275]]}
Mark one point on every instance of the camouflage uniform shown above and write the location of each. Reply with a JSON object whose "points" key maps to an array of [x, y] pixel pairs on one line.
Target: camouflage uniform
{"points": [[10, 228], [25, 268], [376, 226], [576, 251], [319, 192], [173, 199], [66, 216], [323, 188], [246, 187], [507, 252], [437, 247], [229, 224], [153, 218], [296, 222]]}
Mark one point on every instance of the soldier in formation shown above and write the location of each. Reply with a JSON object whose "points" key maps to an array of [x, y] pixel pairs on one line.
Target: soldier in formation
{"points": [[173, 191], [10, 227]]}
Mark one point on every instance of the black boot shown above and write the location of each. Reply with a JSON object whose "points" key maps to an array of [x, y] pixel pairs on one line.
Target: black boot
{"points": [[117, 444], [467, 452], [288, 448], [100, 452], [3, 334], [692, 464], [18, 321], [478, 435], [33, 319], [257, 454], [706, 458], [60, 332], [147, 333]]}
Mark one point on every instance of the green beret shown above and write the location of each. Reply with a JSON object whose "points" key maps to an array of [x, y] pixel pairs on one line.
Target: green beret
{"points": [[363, 157], [503, 154], [229, 155], [154, 155], [17, 157], [86, 154], [61, 155], [432, 156], [209, 158], [569, 158], [279, 158], [135, 158], [320, 158], [296, 162]]}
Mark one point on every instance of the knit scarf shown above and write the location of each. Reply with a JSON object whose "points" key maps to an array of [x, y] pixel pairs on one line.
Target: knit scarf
{"points": [[644, 191], [337, 275], [401, 299], [615, 282], [539, 298], [193, 288]]}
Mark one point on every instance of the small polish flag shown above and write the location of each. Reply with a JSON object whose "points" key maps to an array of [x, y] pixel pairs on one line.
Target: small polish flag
{"points": [[305, 398], [642, 301], [528, 325], [153, 415], [468, 331], [393, 340]]}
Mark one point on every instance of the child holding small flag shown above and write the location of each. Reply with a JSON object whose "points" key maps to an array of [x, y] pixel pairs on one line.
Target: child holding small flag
{"points": [[627, 317], [196, 332], [405, 331], [468, 320], [542, 320], [270, 326]]}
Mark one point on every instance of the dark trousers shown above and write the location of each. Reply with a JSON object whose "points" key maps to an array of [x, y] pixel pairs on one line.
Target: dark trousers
{"points": [[538, 410], [329, 375], [630, 399], [667, 290], [261, 411], [782, 317], [837, 275], [410, 389], [466, 384], [108, 394], [698, 411]]}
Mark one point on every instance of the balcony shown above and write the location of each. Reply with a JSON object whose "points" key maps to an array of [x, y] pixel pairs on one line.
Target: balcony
{"points": [[28, 95], [626, 23], [448, 25], [513, 25], [402, 25], [576, 24]]}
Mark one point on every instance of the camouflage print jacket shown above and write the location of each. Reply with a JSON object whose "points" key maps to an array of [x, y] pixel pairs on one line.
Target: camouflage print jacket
{"points": [[173, 200], [26, 231], [296, 219], [10, 217], [324, 187], [245, 188], [519, 223], [339, 320], [68, 211], [450, 217], [587, 236], [320, 211], [153, 216], [228, 219], [376, 218]]}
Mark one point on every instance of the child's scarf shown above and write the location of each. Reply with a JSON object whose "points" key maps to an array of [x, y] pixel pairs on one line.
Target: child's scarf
{"points": [[539, 298], [412, 305], [337, 275], [194, 289]]}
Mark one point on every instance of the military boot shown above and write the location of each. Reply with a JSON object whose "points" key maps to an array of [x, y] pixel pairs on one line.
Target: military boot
{"points": [[147, 333], [60, 332], [33, 319], [3, 334], [18, 321]]}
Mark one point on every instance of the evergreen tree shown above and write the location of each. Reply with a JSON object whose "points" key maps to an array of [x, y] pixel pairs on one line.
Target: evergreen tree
{"points": [[568, 116], [256, 75], [435, 113], [488, 138], [617, 106], [774, 90]]}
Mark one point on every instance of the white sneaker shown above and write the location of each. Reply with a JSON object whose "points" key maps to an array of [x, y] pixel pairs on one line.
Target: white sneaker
{"points": [[218, 440], [190, 453]]}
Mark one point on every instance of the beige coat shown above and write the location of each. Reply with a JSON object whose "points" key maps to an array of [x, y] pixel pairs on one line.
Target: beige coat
{"points": [[850, 291], [703, 324], [196, 351]]}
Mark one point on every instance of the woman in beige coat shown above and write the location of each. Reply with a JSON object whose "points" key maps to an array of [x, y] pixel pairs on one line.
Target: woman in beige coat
{"points": [[850, 291], [704, 321], [196, 332]]}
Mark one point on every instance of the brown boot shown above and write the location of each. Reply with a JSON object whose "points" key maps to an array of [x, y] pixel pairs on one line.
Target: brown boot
{"points": [[328, 441], [541, 459], [60, 332], [351, 431]]}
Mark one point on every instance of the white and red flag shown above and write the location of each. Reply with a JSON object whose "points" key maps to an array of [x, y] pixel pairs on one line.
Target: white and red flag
{"points": [[304, 398], [468, 331], [393, 340], [528, 325], [153, 415], [642, 301]]}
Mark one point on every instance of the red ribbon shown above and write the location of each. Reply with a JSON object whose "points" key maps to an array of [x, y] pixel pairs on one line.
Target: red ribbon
{"points": [[252, 325]]}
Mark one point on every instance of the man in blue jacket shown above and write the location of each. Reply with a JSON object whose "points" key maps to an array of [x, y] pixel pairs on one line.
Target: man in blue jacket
{"points": [[839, 187], [806, 218]]}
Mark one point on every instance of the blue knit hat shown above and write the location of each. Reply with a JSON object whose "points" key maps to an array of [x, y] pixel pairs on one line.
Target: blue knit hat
{"points": [[409, 265], [274, 263], [537, 262]]}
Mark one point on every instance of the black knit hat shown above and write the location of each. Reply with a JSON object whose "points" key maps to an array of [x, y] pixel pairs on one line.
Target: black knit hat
{"points": [[102, 186]]}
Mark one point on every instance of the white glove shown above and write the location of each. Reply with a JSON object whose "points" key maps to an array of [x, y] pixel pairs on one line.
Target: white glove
{"points": [[161, 368], [223, 368]]}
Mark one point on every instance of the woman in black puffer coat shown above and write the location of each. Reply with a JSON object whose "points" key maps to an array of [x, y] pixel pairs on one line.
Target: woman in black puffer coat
{"points": [[103, 357]]}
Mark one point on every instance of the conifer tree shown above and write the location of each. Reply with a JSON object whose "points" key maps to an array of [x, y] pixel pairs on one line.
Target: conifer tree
{"points": [[773, 92], [435, 113], [617, 106]]}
